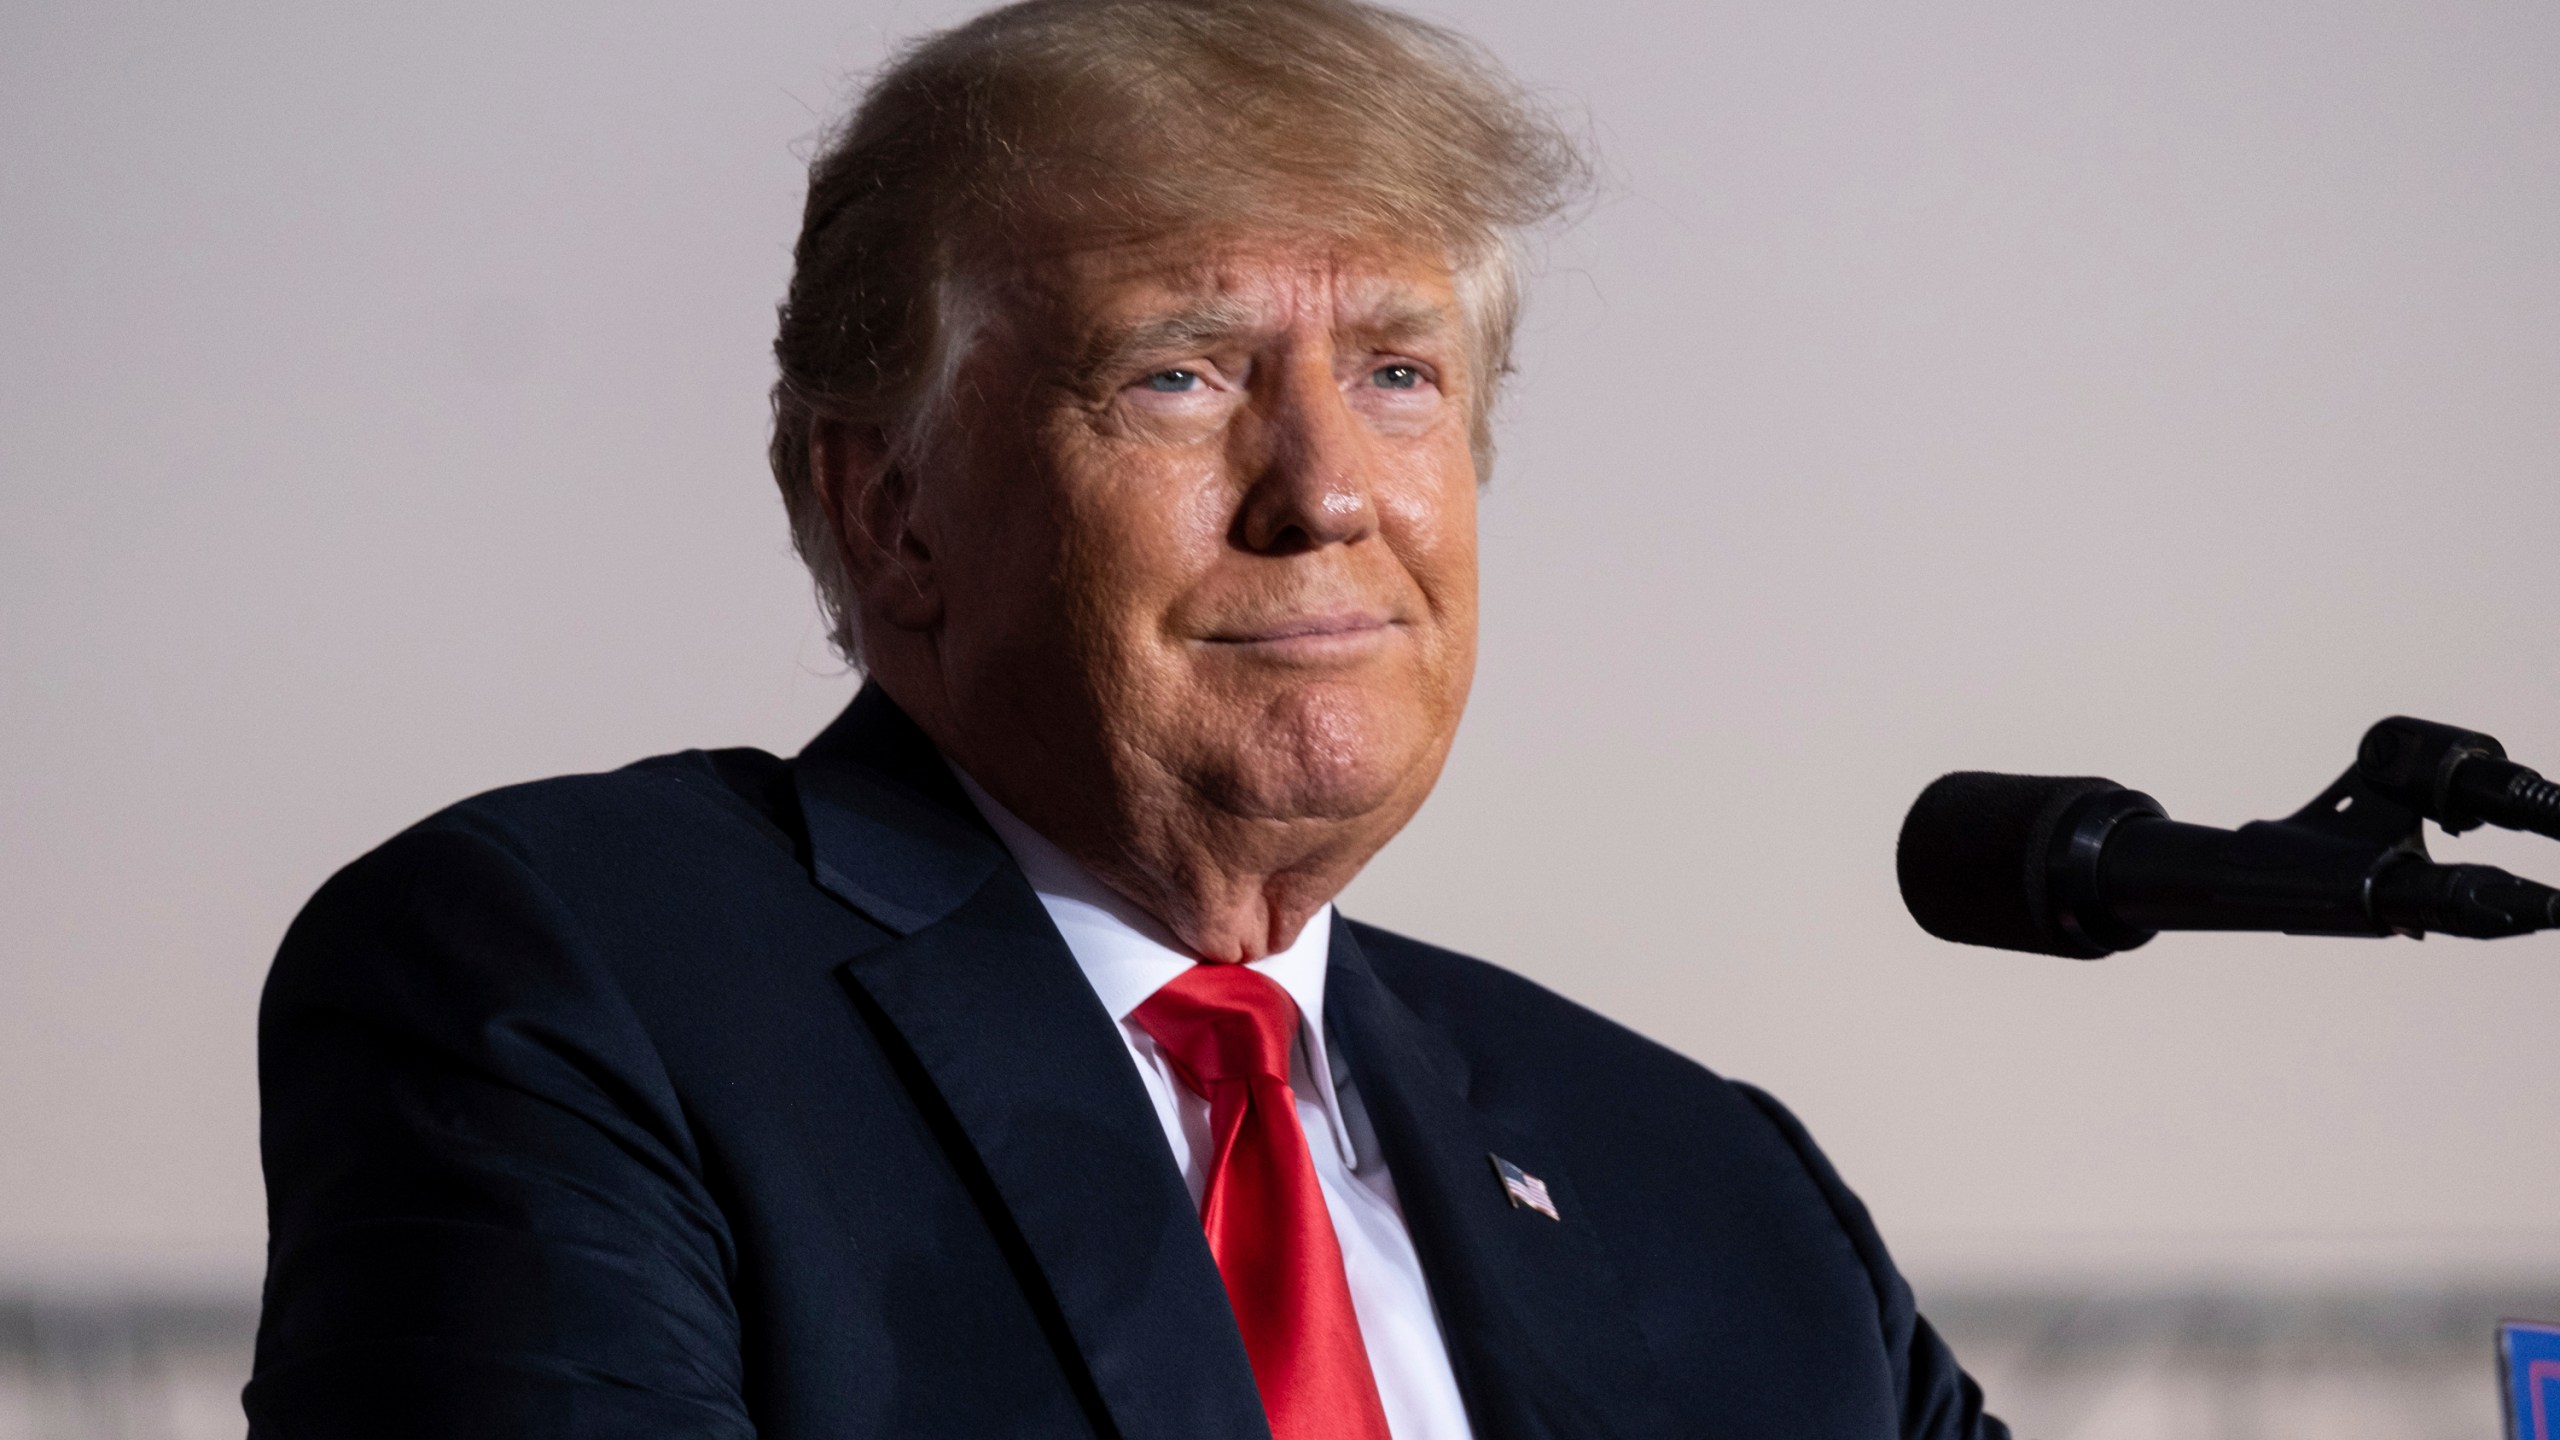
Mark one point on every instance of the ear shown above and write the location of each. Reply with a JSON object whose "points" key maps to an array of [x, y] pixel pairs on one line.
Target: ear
{"points": [[872, 499]]}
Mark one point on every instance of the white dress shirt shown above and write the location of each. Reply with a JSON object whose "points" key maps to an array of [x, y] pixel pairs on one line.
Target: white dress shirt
{"points": [[1126, 954]]}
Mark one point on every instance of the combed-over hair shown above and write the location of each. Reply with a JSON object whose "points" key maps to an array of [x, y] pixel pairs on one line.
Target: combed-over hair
{"points": [[1114, 120]]}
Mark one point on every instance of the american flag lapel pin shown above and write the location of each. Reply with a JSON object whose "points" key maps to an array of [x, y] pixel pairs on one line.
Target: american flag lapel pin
{"points": [[1527, 1191]]}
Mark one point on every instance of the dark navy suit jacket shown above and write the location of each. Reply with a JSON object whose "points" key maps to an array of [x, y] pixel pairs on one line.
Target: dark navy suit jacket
{"points": [[725, 1096]]}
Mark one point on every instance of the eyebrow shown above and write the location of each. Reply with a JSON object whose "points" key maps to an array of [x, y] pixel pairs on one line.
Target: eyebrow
{"points": [[1408, 320], [1197, 328]]}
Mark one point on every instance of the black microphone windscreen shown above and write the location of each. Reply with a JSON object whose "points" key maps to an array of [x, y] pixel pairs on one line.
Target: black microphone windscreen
{"points": [[1973, 855]]}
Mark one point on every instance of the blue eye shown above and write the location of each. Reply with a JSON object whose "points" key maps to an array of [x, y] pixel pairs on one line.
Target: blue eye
{"points": [[1396, 377], [1173, 382]]}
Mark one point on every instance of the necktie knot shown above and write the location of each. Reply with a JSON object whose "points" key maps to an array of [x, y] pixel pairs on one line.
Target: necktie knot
{"points": [[1222, 1022]]}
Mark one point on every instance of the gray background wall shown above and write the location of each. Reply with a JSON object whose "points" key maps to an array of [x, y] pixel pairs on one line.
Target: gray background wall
{"points": [[2155, 390]]}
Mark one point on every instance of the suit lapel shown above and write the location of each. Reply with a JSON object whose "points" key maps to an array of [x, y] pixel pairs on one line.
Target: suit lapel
{"points": [[1539, 1328], [1024, 1063]]}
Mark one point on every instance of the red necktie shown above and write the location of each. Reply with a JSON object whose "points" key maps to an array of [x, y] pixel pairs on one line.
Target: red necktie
{"points": [[1227, 1031]]}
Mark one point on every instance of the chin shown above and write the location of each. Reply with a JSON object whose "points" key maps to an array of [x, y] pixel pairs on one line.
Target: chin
{"points": [[1332, 752]]}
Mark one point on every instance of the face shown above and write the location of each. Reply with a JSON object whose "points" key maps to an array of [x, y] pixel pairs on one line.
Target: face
{"points": [[1200, 545]]}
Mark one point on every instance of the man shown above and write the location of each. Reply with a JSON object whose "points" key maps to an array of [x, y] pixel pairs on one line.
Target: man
{"points": [[998, 1067]]}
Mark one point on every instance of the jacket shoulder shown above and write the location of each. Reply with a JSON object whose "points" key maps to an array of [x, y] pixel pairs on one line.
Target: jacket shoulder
{"points": [[690, 798], [625, 862]]}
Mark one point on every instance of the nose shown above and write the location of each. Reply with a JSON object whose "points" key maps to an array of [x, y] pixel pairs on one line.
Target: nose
{"points": [[1311, 466]]}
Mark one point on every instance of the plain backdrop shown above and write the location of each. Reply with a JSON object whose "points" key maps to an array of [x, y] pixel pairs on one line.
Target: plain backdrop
{"points": [[2162, 391]]}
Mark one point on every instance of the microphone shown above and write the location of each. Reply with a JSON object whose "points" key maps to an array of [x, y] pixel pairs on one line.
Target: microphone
{"points": [[2083, 867]]}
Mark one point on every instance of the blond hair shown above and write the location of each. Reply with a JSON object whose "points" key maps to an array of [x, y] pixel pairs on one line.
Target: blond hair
{"points": [[1112, 120]]}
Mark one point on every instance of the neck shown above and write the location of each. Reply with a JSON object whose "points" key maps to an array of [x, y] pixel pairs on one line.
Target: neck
{"points": [[1052, 870], [1229, 886], [1233, 897]]}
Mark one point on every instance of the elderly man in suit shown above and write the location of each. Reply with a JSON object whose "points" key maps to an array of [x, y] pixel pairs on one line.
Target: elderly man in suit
{"points": [[999, 1065]]}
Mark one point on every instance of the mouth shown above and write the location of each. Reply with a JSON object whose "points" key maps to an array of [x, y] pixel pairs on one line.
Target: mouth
{"points": [[1331, 633]]}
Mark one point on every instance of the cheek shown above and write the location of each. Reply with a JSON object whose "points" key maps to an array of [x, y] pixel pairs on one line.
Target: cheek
{"points": [[1429, 520], [1140, 526], [994, 532], [1443, 564]]}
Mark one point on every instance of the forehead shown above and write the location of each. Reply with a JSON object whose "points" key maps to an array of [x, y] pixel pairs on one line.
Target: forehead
{"points": [[1252, 284]]}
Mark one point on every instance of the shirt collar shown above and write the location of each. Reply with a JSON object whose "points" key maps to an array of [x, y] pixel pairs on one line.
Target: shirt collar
{"points": [[1127, 954]]}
